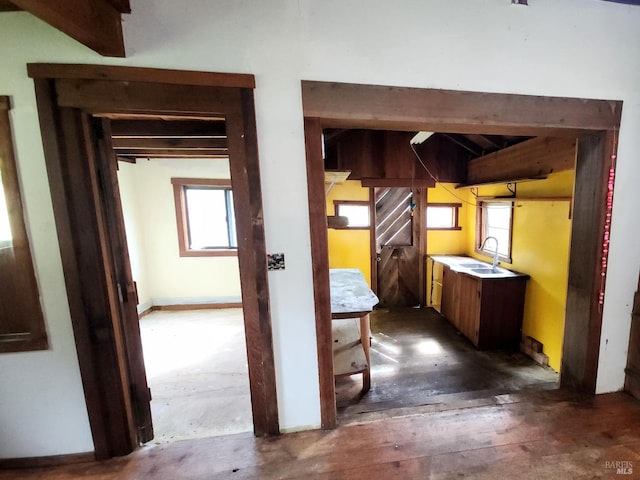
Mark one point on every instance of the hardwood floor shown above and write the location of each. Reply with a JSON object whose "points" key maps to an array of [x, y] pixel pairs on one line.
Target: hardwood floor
{"points": [[507, 424], [555, 434], [418, 359]]}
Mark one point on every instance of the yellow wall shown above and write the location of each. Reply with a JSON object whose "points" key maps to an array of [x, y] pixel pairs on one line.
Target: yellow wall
{"points": [[449, 242], [540, 248], [349, 248]]}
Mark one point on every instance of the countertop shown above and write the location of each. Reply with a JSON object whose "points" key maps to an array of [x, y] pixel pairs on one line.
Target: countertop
{"points": [[350, 293], [475, 268]]}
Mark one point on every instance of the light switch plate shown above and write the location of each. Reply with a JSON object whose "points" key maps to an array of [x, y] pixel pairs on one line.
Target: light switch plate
{"points": [[275, 261]]}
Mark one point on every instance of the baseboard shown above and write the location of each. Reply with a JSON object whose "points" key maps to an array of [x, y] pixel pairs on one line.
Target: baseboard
{"points": [[48, 461], [196, 306]]}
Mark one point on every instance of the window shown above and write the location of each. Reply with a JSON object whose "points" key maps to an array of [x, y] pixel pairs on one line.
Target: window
{"points": [[205, 217], [494, 220], [358, 213], [21, 321], [443, 216]]}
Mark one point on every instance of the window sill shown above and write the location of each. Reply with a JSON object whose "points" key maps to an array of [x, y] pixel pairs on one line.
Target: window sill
{"points": [[443, 229], [351, 228]]}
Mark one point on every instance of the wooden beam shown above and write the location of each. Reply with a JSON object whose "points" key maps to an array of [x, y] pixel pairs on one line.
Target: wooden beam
{"points": [[106, 96], [398, 182], [320, 261], [247, 196], [170, 143], [122, 6], [139, 74], [172, 153], [7, 6], [534, 158], [170, 129], [581, 347], [94, 23], [343, 105]]}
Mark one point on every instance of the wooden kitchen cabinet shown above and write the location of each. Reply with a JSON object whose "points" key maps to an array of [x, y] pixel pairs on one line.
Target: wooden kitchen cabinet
{"points": [[488, 311]]}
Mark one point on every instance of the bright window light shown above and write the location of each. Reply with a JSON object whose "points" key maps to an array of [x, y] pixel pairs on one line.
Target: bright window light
{"points": [[440, 217], [210, 218], [443, 216], [358, 215], [498, 225]]}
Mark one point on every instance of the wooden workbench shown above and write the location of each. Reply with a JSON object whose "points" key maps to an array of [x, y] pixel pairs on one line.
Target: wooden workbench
{"points": [[351, 302]]}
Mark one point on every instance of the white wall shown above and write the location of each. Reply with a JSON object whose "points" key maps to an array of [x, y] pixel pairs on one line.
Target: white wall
{"points": [[39, 391], [136, 240], [152, 234], [576, 48]]}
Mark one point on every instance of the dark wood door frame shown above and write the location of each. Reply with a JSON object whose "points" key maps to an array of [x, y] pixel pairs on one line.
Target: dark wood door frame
{"points": [[340, 105], [69, 94]]}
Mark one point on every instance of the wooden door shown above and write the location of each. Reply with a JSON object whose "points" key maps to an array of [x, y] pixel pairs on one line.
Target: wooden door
{"points": [[399, 240], [106, 166]]}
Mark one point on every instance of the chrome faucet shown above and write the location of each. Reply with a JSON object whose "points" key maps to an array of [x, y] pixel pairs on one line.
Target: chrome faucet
{"points": [[495, 253]]}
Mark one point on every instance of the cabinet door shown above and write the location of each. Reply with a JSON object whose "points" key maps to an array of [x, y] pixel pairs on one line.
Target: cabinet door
{"points": [[469, 307], [449, 295]]}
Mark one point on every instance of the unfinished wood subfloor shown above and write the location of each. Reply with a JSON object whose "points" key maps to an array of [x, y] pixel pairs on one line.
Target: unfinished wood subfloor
{"points": [[196, 365], [529, 435], [418, 359]]}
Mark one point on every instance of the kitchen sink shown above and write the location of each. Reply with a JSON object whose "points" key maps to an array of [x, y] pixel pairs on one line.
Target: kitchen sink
{"points": [[473, 265], [487, 270]]}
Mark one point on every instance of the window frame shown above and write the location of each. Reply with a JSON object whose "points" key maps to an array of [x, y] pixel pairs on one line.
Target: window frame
{"points": [[364, 203], [30, 330], [182, 223], [456, 216], [481, 227]]}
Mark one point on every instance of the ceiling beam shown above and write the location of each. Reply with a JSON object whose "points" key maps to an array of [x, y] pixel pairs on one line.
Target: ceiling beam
{"points": [[168, 143], [94, 23], [160, 128], [171, 153], [534, 158], [344, 105], [7, 6]]}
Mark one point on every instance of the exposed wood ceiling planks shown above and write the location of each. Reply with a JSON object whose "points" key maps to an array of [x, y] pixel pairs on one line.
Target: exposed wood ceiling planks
{"points": [[133, 139], [168, 129]]}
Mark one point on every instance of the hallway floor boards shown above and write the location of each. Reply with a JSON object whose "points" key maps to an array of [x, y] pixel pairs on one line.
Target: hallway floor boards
{"points": [[527, 435]]}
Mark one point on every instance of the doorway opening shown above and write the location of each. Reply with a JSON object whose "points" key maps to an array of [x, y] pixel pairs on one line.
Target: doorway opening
{"points": [[78, 105], [172, 175], [333, 109], [421, 352]]}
